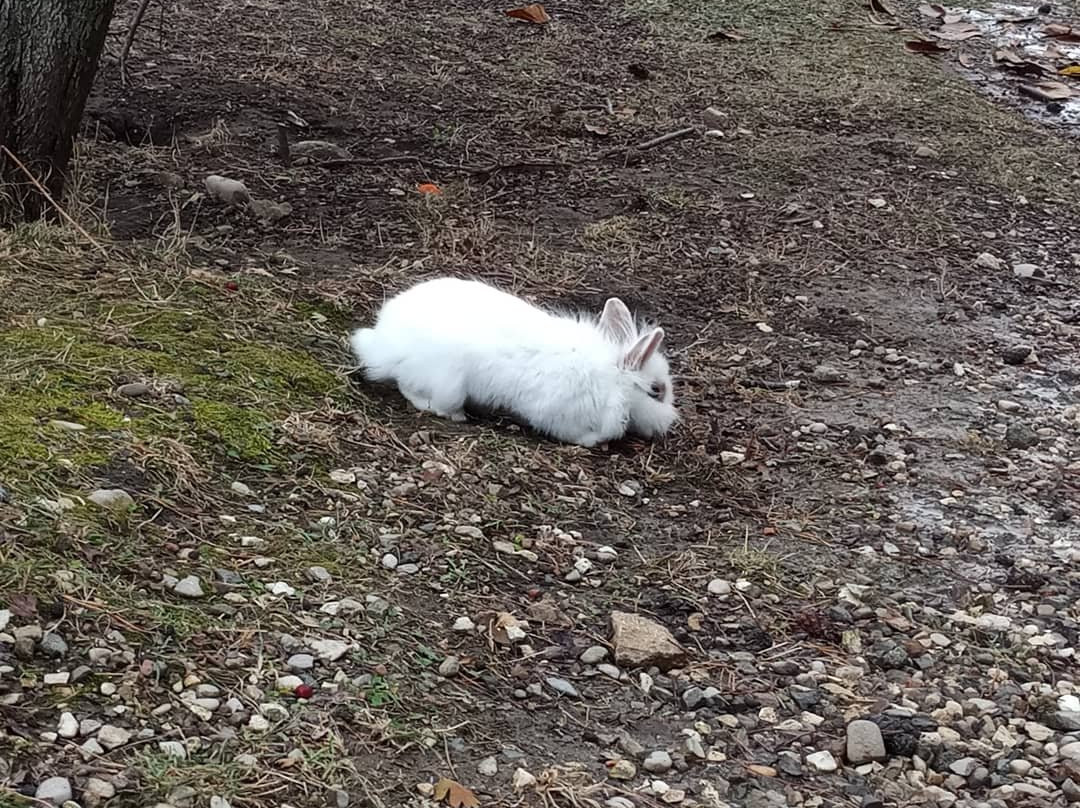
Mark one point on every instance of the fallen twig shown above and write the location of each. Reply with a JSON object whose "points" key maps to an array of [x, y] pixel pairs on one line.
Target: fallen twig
{"points": [[283, 144], [130, 38], [516, 165], [45, 193], [656, 141], [770, 384]]}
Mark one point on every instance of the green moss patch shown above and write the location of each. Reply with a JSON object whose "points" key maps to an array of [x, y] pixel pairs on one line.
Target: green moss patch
{"points": [[222, 371]]}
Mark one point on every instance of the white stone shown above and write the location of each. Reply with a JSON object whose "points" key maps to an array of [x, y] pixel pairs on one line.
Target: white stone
{"points": [[822, 761], [112, 499], [189, 587], [329, 650], [718, 586], [111, 737], [101, 789], [55, 790], [68, 726], [173, 749]]}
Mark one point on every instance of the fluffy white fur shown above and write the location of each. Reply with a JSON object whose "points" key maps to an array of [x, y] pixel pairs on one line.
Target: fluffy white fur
{"points": [[446, 342]]}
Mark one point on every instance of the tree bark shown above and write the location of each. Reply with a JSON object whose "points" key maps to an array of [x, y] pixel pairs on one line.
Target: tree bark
{"points": [[49, 52]]}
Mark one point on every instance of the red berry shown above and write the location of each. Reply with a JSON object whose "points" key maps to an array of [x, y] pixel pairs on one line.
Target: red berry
{"points": [[232, 286], [304, 691]]}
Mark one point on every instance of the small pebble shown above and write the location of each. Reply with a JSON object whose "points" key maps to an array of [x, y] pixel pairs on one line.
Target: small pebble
{"points": [[657, 762]]}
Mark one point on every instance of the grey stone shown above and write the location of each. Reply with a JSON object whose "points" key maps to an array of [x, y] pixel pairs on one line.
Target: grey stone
{"points": [[593, 655], [189, 587], [641, 642], [561, 686], [337, 798], [55, 790], [450, 666], [1070, 790], [1020, 436], [53, 644], [133, 389], [865, 742], [822, 761], [112, 499], [301, 662], [657, 762], [1065, 720], [692, 697], [99, 789], [111, 737], [964, 766]]}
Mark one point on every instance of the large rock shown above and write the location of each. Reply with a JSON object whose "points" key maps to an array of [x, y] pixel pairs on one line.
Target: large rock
{"points": [[864, 742], [640, 642], [55, 791]]}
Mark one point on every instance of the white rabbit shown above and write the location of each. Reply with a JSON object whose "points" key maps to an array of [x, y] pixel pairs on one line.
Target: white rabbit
{"points": [[580, 380]]}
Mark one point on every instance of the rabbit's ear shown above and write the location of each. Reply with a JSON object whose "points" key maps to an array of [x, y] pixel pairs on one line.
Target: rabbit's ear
{"points": [[617, 322], [645, 347]]}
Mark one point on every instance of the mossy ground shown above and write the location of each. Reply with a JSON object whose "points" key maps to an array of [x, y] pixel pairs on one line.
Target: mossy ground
{"points": [[220, 369]]}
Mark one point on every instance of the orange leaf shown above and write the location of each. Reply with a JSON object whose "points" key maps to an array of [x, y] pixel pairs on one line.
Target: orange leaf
{"points": [[428, 188], [455, 794], [534, 12]]}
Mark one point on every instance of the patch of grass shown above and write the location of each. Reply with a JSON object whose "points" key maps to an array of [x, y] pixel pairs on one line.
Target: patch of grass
{"points": [[614, 234], [243, 434], [243, 364], [754, 564], [161, 773]]}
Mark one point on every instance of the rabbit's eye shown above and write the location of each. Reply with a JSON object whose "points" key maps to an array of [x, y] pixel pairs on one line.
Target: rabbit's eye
{"points": [[657, 390]]}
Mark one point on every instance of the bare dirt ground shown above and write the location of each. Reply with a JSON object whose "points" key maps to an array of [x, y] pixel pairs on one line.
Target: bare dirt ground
{"points": [[867, 269]]}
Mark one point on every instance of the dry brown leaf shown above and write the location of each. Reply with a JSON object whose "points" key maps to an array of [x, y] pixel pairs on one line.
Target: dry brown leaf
{"points": [[879, 7], [932, 10], [925, 46], [761, 771], [695, 621], [22, 604], [454, 794], [534, 12], [957, 31], [1011, 60], [1053, 52], [505, 629], [966, 60], [952, 18], [1065, 33], [1073, 71], [546, 610], [1047, 90]]}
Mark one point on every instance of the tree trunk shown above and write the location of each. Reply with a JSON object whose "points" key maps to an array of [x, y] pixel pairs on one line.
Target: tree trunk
{"points": [[49, 52]]}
